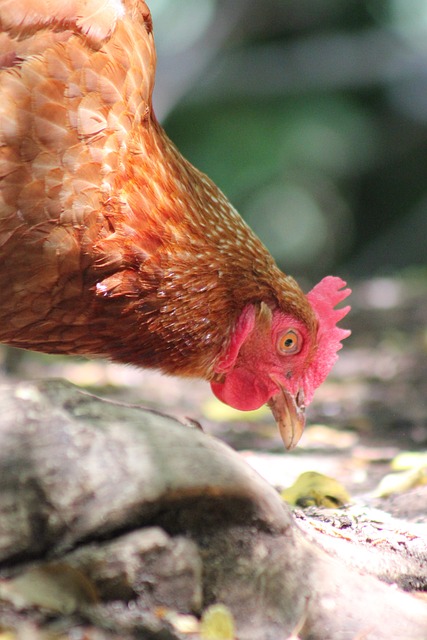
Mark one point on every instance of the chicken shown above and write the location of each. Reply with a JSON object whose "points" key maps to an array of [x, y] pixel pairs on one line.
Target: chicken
{"points": [[113, 245]]}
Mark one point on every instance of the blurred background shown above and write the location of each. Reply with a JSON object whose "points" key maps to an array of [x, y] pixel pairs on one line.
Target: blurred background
{"points": [[312, 118]]}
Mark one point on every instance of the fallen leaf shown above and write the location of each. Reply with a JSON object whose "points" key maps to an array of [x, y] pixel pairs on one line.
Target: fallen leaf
{"points": [[57, 586], [401, 482], [312, 488], [409, 460], [320, 435], [213, 409], [217, 623]]}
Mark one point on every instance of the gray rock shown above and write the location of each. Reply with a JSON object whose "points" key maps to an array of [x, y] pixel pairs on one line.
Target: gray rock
{"points": [[158, 517]]}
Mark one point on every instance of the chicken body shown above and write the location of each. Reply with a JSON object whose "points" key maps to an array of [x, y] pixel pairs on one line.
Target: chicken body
{"points": [[111, 243]]}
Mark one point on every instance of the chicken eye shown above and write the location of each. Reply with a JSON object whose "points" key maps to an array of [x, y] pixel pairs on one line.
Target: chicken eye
{"points": [[289, 342]]}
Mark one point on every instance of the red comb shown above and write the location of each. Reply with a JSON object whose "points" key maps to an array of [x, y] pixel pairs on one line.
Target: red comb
{"points": [[323, 298]]}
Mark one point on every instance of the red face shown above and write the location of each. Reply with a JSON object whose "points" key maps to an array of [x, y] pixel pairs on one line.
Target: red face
{"points": [[273, 359], [268, 369]]}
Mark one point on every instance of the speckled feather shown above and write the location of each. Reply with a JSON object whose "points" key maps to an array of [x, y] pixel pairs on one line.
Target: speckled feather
{"points": [[111, 243]]}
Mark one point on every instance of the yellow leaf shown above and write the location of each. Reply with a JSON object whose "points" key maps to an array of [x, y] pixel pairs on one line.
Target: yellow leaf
{"points": [[401, 482], [56, 586], [213, 409], [312, 488], [217, 623], [409, 460], [321, 434]]}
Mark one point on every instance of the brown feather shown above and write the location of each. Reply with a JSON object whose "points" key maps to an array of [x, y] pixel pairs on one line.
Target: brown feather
{"points": [[111, 243]]}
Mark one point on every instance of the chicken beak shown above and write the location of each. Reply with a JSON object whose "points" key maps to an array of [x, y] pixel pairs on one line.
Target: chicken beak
{"points": [[289, 413]]}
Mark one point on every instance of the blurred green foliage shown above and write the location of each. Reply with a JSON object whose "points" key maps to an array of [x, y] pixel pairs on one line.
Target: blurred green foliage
{"points": [[311, 116]]}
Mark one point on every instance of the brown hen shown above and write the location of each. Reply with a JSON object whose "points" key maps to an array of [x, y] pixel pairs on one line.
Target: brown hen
{"points": [[112, 244]]}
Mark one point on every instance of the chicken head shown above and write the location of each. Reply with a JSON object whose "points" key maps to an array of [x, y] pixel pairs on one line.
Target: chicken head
{"points": [[273, 358]]}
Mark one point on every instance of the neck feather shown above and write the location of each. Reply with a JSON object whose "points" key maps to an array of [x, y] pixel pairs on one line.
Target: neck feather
{"points": [[190, 264]]}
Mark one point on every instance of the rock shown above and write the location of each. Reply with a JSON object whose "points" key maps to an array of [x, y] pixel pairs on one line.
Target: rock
{"points": [[145, 564], [164, 521]]}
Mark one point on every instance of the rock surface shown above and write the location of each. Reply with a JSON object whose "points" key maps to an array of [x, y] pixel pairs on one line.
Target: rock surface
{"points": [[119, 522]]}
